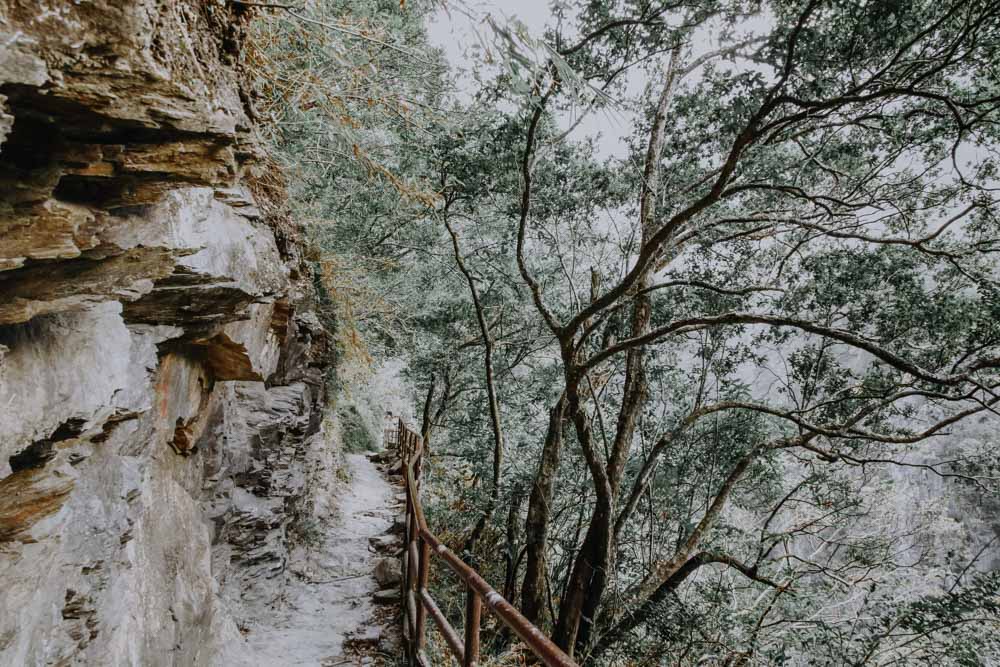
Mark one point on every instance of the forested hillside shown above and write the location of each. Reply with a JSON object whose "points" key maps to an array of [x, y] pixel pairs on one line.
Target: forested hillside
{"points": [[726, 396]]}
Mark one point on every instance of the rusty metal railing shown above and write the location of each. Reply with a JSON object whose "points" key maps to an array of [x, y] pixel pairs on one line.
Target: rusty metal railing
{"points": [[421, 546]]}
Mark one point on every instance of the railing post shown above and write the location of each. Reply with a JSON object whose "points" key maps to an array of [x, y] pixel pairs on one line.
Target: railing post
{"points": [[418, 466], [424, 559], [423, 570], [412, 601], [411, 540], [399, 440], [473, 613], [405, 453]]}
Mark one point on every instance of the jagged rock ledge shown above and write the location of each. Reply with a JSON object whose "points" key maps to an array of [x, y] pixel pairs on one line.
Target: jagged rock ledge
{"points": [[161, 380]]}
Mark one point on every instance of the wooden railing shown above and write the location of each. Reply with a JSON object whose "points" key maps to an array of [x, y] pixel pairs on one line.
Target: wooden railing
{"points": [[421, 546]]}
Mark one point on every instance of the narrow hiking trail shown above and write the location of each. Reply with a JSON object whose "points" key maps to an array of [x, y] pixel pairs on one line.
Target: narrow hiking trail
{"points": [[331, 617]]}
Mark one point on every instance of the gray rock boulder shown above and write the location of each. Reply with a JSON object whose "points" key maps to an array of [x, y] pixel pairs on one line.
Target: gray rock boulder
{"points": [[388, 572]]}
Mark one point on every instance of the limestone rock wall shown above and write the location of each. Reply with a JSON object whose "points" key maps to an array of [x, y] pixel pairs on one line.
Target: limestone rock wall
{"points": [[161, 384]]}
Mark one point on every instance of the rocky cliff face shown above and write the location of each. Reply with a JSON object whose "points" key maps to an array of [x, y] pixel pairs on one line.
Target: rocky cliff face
{"points": [[160, 371]]}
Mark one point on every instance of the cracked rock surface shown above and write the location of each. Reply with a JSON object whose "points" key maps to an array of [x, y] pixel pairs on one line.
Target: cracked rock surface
{"points": [[161, 371]]}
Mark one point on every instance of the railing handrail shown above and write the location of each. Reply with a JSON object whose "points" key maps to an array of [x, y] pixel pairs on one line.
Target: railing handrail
{"points": [[421, 545]]}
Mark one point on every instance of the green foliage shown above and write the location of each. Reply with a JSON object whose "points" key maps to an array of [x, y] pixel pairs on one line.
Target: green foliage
{"points": [[818, 264], [356, 433]]}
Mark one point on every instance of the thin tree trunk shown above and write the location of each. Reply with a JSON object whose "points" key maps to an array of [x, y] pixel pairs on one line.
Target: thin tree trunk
{"points": [[498, 440], [425, 422], [642, 479], [646, 610], [664, 570], [668, 587], [510, 555], [431, 419]]}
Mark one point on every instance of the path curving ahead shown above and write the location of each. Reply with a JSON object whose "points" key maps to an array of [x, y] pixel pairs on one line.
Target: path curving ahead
{"points": [[335, 604]]}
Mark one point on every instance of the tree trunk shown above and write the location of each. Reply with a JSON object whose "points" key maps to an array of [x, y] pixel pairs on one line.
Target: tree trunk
{"points": [[594, 561], [510, 555], [588, 572], [634, 394], [425, 422], [536, 526], [634, 397], [594, 551]]}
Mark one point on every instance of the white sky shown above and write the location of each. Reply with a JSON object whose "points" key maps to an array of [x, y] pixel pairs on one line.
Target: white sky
{"points": [[454, 32]]}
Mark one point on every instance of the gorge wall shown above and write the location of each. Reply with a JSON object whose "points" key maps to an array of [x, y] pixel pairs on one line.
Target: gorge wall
{"points": [[161, 373]]}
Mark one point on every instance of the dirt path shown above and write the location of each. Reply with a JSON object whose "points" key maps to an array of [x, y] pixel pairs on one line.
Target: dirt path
{"points": [[333, 604]]}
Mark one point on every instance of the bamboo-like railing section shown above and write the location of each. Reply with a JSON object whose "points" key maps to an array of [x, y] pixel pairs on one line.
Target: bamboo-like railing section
{"points": [[421, 546]]}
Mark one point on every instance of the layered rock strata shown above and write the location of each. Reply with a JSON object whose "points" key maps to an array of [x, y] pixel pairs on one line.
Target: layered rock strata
{"points": [[160, 372]]}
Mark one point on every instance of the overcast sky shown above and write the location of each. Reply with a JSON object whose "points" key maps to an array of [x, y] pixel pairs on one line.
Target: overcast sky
{"points": [[455, 32]]}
